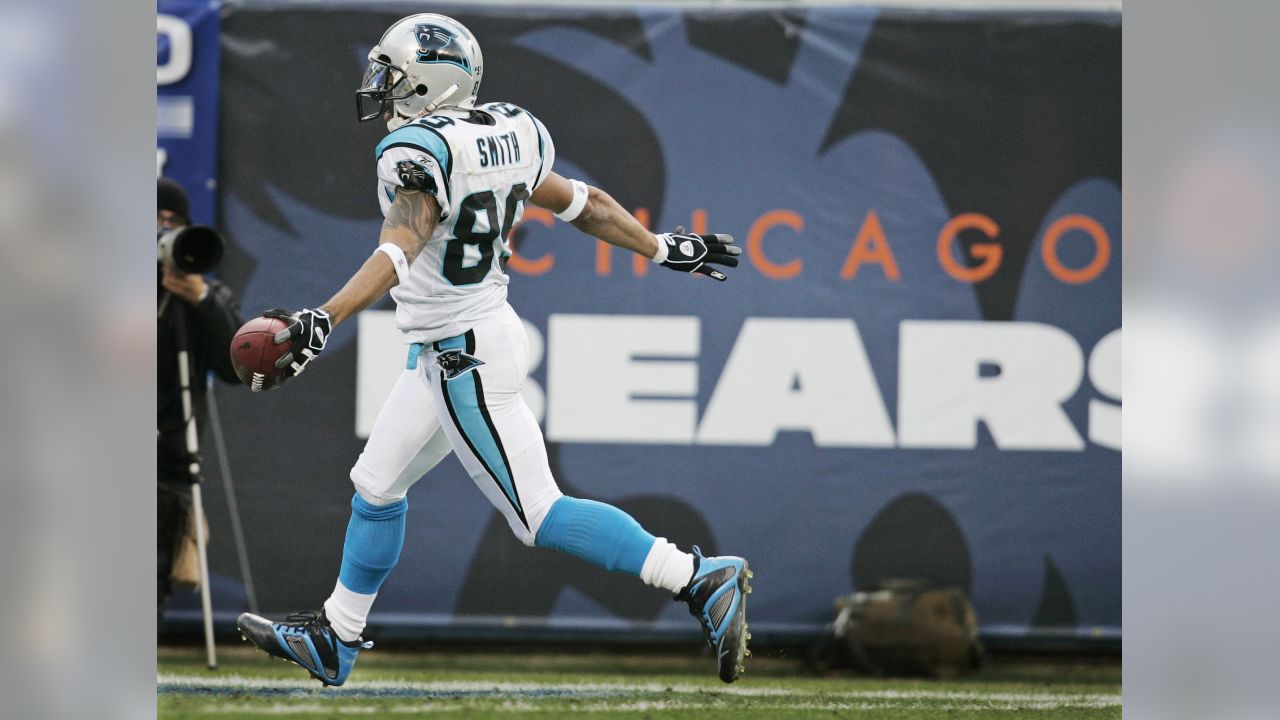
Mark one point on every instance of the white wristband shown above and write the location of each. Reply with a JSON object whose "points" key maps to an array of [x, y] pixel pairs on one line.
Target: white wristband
{"points": [[398, 260], [661, 255], [579, 201]]}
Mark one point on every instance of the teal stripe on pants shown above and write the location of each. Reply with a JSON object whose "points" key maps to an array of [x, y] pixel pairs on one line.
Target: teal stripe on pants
{"points": [[464, 396]]}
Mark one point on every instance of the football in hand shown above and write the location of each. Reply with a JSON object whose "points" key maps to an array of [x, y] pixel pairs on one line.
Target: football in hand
{"points": [[254, 353]]}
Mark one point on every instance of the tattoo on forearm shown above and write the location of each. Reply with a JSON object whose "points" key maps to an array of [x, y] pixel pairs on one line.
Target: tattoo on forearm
{"points": [[414, 211]]}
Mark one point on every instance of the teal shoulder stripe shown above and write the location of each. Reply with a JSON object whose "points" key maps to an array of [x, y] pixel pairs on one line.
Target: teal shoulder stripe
{"points": [[537, 130], [417, 136], [542, 151]]}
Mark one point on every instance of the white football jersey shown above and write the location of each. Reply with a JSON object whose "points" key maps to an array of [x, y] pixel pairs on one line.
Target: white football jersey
{"points": [[481, 166]]}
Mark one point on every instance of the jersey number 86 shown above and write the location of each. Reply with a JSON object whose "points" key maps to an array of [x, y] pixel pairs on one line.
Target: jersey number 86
{"points": [[495, 230]]}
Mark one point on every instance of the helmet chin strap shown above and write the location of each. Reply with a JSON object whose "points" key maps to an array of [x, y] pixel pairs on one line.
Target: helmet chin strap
{"points": [[397, 120], [431, 106]]}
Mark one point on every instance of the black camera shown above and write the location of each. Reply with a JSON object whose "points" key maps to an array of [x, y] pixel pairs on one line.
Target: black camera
{"points": [[192, 249]]}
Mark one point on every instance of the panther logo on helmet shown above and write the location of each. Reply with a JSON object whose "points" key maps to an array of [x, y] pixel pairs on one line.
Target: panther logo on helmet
{"points": [[439, 44]]}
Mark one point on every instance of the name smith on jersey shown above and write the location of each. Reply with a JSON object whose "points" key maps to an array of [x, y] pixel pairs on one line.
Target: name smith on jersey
{"points": [[498, 149]]}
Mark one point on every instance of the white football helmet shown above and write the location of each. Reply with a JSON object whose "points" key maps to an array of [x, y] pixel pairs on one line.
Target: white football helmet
{"points": [[422, 63]]}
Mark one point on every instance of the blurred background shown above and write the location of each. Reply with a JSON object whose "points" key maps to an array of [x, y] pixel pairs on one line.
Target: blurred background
{"points": [[914, 374]]}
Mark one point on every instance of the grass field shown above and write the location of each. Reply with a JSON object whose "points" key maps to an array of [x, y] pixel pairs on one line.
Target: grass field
{"points": [[493, 684]]}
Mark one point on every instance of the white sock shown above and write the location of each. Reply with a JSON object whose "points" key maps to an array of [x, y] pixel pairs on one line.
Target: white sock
{"points": [[347, 612], [667, 567]]}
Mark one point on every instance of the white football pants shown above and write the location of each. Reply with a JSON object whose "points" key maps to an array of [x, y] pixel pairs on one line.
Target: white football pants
{"points": [[462, 395]]}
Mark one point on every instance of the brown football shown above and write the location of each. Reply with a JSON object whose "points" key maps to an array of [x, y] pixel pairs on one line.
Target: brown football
{"points": [[254, 353]]}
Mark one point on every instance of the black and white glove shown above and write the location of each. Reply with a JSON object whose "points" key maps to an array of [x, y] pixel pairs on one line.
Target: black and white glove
{"points": [[691, 253], [307, 333]]}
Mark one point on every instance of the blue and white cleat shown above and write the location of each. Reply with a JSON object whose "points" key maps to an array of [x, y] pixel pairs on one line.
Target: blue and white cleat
{"points": [[717, 597], [306, 639]]}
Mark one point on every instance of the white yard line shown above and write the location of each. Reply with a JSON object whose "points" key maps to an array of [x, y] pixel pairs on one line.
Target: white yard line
{"points": [[647, 706], [524, 693]]}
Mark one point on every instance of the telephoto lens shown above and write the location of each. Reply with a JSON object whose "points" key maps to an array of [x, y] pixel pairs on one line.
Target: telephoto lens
{"points": [[194, 249]]}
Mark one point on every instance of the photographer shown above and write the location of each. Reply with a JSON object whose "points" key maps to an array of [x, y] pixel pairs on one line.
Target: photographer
{"points": [[204, 310]]}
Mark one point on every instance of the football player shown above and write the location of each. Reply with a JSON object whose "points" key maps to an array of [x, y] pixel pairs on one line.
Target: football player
{"points": [[453, 179]]}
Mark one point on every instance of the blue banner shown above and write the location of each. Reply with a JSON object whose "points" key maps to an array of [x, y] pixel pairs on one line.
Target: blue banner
{"points": [[187, 37]]}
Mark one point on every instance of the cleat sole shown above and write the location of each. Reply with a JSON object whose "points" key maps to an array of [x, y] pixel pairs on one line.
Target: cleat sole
{"points": [[743, 652]]}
